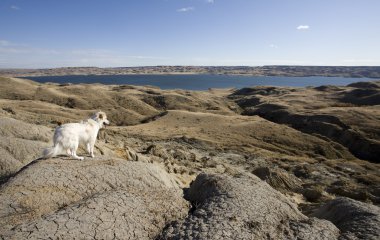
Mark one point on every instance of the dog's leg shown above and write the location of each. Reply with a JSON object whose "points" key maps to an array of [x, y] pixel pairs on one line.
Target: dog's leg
{"points": [[92, 144], [74, 153], [89, 149], [92, 150], [75, 156]]}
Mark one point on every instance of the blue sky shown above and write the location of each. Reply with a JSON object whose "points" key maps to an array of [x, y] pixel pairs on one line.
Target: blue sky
{"points": [[117, 33]]}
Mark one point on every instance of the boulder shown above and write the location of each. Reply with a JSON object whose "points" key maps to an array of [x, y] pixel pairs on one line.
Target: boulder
{"points": [[355, 220], [92, 199], [243, 207], [279, 179], [20, 143]]}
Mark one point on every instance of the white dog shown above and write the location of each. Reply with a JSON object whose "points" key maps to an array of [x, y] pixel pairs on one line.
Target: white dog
{"points": [[68, 136]]}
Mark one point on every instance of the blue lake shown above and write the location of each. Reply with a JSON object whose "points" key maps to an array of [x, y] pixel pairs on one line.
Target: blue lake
{"points": [[199, 81]]}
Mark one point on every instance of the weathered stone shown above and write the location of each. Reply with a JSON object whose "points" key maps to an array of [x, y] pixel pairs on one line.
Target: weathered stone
{"points": [[97, 199], [244, 207], [278, 179], [20, 143], [355, 220]]}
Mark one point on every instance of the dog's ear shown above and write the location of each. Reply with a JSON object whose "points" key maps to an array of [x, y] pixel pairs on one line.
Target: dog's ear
{"points": [[100, 116]]}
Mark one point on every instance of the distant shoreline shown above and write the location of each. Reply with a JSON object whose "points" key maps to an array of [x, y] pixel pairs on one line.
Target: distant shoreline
{"points": [[196, 81], [260, 71]]}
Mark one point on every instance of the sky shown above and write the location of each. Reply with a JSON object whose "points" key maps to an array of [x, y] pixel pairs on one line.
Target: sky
{"points": [[123, 33]]}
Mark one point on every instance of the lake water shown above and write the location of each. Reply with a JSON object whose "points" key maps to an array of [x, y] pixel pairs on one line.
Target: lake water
{"points": [[200, 81]]}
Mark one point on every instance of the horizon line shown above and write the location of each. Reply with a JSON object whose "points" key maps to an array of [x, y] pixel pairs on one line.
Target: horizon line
{"points": [[144, 66]]}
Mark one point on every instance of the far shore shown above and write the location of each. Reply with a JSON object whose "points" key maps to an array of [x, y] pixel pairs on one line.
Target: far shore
{"points": [[259, 71]]}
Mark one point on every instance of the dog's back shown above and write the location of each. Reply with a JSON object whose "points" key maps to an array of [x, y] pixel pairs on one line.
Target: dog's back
{"points": [[68, 135]]}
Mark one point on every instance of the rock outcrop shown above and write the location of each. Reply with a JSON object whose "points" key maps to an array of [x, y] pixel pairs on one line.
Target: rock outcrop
{"points": [[346, 115], [278, 179], [355, 220], [20, 143], [243, 207], [91, 199]]}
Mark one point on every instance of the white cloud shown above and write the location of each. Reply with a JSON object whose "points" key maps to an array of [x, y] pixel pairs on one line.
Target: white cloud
{"points": [[185, 9], [241, 62], [148, 57], [361, 61], [24, 56], [303, 27], [13, 7], [273, 46], [4, 43], [26, 50], [88, 53], [210, 1]]}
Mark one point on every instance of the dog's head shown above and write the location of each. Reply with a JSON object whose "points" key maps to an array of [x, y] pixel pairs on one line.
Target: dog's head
{"points": [[101, 119]]}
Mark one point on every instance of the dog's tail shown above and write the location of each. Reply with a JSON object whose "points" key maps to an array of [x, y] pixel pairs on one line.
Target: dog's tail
{"points": [[51, 152]]}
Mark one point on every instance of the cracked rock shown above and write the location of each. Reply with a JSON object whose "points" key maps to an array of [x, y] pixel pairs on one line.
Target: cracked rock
{"points": [[244, 207], [355, 220], [91, 199]]}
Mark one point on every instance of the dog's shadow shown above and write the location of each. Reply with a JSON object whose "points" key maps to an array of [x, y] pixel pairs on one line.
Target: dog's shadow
{"points": [[70, 158], [6, 179]]}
